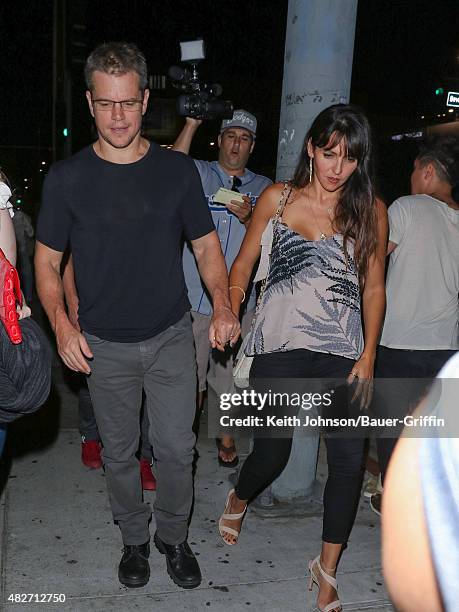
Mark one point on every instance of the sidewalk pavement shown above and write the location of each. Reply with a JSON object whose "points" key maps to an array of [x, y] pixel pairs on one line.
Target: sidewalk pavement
{"points": [[58, 536]]}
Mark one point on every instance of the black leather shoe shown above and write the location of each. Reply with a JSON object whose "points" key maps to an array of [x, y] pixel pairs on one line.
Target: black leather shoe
{"points": [[182, 565], [134, 569]]}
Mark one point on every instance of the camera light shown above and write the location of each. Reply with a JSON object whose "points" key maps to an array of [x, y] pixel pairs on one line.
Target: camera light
{"points": [[192, 50]]}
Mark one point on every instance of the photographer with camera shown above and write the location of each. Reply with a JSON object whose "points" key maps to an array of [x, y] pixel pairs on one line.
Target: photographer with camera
{"points": [[236, 142]]}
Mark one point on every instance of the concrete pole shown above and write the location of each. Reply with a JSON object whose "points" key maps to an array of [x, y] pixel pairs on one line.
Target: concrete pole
{"points": [[55, 78], [317, 69], [317, 73], [61, 93]]}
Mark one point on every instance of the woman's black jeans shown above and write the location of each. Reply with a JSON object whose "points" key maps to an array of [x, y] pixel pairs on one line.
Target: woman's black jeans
{"points": [[270, 455]]}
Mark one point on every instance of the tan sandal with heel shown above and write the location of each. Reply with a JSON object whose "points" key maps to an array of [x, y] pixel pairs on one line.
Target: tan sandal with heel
{"points": [[230, 517], [314, 579]]}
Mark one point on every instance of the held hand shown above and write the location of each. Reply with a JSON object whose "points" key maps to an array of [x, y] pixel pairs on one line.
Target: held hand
{"points": [[243, 211], [362, 376], [224, 329], [73, 348]]}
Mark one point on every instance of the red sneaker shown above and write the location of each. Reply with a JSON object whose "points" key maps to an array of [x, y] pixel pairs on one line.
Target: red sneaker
{"points": [[90, 454], [146, 476]]}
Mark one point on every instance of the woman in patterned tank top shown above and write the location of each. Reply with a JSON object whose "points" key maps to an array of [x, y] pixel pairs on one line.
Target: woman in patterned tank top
{"points": [[320, 314]]}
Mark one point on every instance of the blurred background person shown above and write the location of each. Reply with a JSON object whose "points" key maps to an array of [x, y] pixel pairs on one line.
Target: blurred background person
{"points": [[420, 331], [420, 510], [236, 142], [8, 246], [25, 244], [25, 368]]}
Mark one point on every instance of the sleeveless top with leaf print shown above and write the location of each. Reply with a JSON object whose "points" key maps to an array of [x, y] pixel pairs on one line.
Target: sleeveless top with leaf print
{"points": [[311, 298]]}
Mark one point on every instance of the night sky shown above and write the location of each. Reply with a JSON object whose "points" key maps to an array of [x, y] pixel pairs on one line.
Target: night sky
{"points": [[403, 50]]}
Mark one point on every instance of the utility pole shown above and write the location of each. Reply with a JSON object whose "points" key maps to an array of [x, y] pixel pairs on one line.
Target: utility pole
{"points": [[55, 71], [62, 88], [319, 49]]}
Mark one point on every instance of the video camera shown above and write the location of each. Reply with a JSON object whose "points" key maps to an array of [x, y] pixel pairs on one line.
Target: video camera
{"points": [[200, 101]]}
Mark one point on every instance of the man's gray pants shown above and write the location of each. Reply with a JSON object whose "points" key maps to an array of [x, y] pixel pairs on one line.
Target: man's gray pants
{"points": [[165, 368]]}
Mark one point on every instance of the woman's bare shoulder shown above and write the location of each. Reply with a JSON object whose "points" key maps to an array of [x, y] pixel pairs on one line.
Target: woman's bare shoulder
{"points": [[270, 198], [381, 206], [381, 212]]}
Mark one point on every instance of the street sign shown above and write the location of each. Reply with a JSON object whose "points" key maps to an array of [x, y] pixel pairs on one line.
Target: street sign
{"points": [[453, 99]]}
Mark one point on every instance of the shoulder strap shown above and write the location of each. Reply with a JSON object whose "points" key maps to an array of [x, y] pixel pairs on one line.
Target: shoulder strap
{"points": [[286, 191]]}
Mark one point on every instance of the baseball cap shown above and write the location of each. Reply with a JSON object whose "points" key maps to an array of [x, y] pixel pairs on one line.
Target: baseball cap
{"points": [[241, 119]]}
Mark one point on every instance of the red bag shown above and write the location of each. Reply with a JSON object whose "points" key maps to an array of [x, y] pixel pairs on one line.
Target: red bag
{"points": [[10, 293]]}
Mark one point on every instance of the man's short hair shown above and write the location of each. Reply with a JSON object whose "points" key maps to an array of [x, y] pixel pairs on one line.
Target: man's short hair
{"points": [[116, 58], [441, 150]]}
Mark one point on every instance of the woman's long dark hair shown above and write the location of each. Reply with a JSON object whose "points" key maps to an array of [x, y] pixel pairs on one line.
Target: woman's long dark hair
{"points": [[355, 213]]}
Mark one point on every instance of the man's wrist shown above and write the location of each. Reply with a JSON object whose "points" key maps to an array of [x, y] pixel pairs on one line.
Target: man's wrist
{"points": [[191, 125], [72, 305], [222, 307], [220, 298], [61, 321]]}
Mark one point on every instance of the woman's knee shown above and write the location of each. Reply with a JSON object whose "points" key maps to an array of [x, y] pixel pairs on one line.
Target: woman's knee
{"points": [[345, 457]]}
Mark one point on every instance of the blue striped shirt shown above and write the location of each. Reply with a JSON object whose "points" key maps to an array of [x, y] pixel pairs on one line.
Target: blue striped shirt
{"points": [[230, 230]]}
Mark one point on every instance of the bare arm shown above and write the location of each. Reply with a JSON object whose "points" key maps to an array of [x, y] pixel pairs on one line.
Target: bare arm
{"points": [[211, 265], [374, 292], [243, 265], [71, 344], [212, 268], [373, 302], [70, 292], [7, 236], [183, 142]]}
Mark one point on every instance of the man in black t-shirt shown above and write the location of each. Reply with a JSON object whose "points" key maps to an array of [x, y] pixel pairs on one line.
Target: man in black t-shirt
{"points": [[124, 206]]}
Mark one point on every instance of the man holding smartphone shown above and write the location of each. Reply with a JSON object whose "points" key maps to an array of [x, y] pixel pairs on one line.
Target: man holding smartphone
{"points": [[236, 142]]}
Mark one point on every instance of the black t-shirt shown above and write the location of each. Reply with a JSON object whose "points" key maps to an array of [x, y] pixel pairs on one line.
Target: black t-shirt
{"points": [[125, 224]]}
